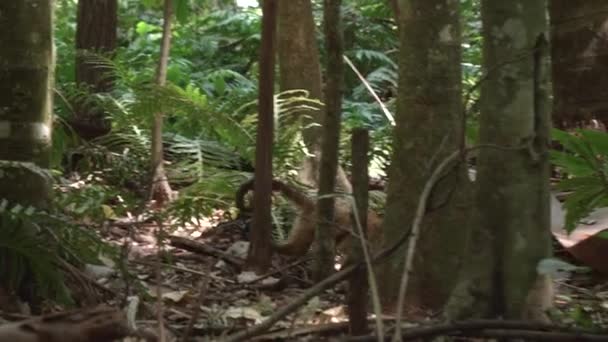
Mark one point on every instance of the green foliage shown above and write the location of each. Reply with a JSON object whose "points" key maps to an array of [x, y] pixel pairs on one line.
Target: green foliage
{"points": [[33, 244], [209, 104], [24, 248], [585, 161]]}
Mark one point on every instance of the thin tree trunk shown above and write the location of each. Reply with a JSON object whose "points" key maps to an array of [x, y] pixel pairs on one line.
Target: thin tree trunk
{"points": [[260, 252], [428, 129], [96, 32], [161, 191], [511, 234], [579, 43], [325, 243], [358, 286]]}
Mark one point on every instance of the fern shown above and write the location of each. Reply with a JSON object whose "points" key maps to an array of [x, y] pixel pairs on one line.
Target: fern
{"points": [[24, 249], [585, 160]]}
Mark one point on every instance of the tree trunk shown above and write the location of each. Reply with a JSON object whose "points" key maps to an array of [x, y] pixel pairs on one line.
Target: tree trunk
{"points": [[96, 32], [511, 234], [26, 67], [299, 64], [26, 81], [325, 243], [260, 252], [428, 129], [300, 68], [358, 286], [579, 41], [161, 191]]}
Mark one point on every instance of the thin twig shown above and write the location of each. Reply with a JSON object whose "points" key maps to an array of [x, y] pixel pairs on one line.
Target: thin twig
{"points": [[197, 247], [277, 271], [371, 278], [186, 270], [385, 110], [415, 231]]}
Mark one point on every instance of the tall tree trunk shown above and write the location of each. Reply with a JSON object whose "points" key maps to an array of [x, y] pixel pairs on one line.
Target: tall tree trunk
{"points": [[26, 67], [325, 252], [26, 83], [579, 41], [161, 191], [511, 234], [96, 32], [300, 68], [428, 129], [260, 252], [299, 64]]}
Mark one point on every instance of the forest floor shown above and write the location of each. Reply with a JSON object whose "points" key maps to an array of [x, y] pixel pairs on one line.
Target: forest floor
{"points": [[205, 292], [203, 284]]}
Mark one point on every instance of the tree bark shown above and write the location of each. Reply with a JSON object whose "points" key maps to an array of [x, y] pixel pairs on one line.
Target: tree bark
{"points": [[428, 129], [160, 189], [299, 64], [358, 288], [26, 81], [325, 242], [26, 66], [511, 234], [96, 32], [300, 68], [579, 41], [260, 251]]}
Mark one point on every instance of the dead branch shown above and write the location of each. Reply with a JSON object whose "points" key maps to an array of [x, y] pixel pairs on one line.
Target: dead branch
{"points": [[99, 324], [197, 247], [278, 271], [496, 329]]}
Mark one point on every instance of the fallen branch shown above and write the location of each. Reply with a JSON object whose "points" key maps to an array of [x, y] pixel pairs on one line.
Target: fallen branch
{"points": [[99, 324], [197, 247], [277, 271], [186, 270], [498, 329]]}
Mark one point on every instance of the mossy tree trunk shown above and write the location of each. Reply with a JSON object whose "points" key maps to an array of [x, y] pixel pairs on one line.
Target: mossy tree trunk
{"points": [[428, 129], [96, 32], [26, 69], [511, 233], [579, 44]]}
